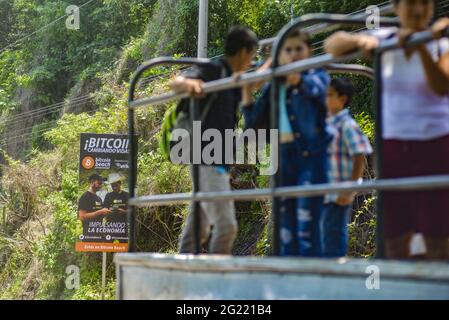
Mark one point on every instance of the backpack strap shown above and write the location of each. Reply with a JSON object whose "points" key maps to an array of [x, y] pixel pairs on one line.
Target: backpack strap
{"points": [[213, 97]]}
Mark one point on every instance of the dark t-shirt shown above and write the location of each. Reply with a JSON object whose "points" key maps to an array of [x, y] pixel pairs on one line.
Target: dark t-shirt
{"points": [[90, 202], [223, 112], [114, 201]]}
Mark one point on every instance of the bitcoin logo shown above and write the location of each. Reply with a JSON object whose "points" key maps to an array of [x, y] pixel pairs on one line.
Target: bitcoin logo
{"points": [[88, 163]]}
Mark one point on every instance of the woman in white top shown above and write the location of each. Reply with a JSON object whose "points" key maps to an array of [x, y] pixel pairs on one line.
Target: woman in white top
{"points": [[415, 131]]}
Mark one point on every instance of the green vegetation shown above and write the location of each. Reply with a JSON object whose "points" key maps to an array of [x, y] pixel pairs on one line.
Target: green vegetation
{"points": [[39, 183]]}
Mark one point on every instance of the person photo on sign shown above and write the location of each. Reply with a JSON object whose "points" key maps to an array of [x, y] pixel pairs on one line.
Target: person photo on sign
{"points": [[90, 205], [117, 200]]}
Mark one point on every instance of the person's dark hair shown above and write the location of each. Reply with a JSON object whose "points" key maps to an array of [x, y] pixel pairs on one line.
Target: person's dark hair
{"points": [[240, 37], [303, 35], [344, 87], [95, 177]]}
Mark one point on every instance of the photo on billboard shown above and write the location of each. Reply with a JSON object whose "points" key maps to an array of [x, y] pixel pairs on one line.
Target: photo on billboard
{"points": [[103, 204]]}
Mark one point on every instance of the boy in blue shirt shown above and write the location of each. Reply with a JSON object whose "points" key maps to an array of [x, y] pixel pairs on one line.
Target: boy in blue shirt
{"points": [[304, 141], [347, 163]]}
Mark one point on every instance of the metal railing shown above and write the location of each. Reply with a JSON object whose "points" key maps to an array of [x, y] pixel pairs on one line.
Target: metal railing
{"points": [[274, 75], [384, 8]]}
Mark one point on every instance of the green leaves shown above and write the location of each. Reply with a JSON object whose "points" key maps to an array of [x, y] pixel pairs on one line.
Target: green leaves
{"points": [[366, 124]]}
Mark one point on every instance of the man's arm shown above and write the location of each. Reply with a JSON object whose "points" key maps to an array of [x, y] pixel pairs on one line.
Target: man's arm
{"points": [[192, 86], [342, 42], [85, 215]]}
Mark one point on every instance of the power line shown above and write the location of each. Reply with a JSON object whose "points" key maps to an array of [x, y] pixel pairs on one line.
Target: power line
{"points": [[41, 132], [38, 132], [144, 82], [150, 78], [26, 128], [23, 132], [42, 28], [48, 109]]}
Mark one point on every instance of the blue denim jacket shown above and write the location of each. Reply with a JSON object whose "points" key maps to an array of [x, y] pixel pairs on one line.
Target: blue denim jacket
{"points": [[306, 108]]}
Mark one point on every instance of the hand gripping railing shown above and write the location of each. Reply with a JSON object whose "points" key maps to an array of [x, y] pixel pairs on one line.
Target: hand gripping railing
{"points": [[274, 73]]}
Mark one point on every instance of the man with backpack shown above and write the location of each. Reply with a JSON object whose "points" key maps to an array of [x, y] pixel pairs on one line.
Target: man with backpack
{"points": [[221, 114]]}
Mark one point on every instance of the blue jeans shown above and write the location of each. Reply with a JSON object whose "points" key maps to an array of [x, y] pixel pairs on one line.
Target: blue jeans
{"points": [[335, 230], [300, 223]]}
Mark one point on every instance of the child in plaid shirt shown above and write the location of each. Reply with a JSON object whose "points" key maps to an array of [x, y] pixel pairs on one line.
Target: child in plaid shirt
{"points": [[347, 162]]}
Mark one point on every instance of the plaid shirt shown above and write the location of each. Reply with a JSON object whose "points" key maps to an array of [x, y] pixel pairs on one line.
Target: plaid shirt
{"points": [[349, 141]]}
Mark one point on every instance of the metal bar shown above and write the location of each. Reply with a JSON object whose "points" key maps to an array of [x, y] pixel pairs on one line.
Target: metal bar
{"points": [[401, 184], [230, 83], [195, 205], [167, 61], [337, 68], [355, 267], [248, 78], [386, 8], [276, 179], [103, 275], [415, 40], [379, 151], [203, 15], [335, 19], [132, 180], [132, 176]]}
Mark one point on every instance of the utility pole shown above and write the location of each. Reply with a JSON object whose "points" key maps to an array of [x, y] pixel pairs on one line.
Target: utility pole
{"points": [[203, 28]]}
